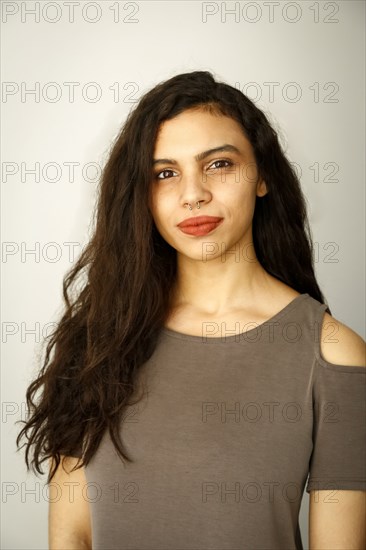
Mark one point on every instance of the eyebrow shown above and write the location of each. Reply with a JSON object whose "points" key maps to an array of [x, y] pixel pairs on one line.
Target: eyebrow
{"points": [[221, 148]]}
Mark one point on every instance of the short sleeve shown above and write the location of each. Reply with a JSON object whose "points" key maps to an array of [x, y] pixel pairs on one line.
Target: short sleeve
{"points": [[338, 459]]}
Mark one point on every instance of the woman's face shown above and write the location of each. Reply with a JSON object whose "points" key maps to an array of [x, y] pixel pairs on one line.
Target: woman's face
{"points": [[205, 157]]}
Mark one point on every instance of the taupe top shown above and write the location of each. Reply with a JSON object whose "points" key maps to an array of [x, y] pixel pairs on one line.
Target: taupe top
{"points": [[225, 437]]}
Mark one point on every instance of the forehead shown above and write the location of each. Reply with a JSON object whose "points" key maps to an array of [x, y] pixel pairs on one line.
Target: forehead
{"points": [[198, 128]]}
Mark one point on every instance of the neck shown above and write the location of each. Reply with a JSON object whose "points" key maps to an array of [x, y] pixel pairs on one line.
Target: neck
{"points": [[229, 281]]}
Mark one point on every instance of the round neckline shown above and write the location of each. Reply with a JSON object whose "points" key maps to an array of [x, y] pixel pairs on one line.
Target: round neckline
{"points": [[235, 337]]}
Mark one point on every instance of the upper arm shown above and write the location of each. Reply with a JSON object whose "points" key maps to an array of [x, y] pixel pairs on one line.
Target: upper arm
{"points": [[69, 525], [337, 520], [337, 517]]}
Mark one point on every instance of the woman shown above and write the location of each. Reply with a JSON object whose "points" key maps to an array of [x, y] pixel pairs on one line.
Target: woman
{"points": [[197, 374]]}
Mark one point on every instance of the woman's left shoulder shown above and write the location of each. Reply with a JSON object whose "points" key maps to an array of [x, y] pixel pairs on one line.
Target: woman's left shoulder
{"points": [[340, 344]]}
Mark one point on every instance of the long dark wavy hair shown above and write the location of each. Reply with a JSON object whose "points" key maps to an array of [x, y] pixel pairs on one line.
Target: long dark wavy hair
{"points": [[110, 327]]}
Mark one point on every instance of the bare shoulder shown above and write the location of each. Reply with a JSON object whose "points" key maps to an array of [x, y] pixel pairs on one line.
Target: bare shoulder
{"points": [[340, 344]]}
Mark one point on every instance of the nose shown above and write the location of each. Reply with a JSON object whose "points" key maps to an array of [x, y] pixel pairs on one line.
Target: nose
{"points": [[194, 190]]}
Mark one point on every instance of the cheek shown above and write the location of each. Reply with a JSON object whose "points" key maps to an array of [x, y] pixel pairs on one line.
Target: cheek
{"points": [[155, 203], [236, 195], [241, 204], [250, 174], [160, 210]]}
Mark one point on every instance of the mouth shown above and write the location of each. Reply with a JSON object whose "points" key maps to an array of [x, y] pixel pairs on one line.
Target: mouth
{"points": [[199, 220], [199, 227]]}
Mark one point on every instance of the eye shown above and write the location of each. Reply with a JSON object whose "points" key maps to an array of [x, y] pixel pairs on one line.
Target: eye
{"points": [[157, 176], [228, 164]]}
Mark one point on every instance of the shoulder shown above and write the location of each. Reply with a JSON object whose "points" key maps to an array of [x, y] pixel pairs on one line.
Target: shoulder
{"points": [[341, 345]]}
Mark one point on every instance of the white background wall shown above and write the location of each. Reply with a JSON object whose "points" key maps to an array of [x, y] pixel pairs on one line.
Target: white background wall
{"points": [[303, 63]]}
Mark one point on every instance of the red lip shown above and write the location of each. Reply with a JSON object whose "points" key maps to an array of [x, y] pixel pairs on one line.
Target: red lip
{"points": [[198, 220]]}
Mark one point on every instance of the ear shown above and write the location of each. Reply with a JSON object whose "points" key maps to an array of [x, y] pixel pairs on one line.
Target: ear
{"points": [[261, 188]]}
